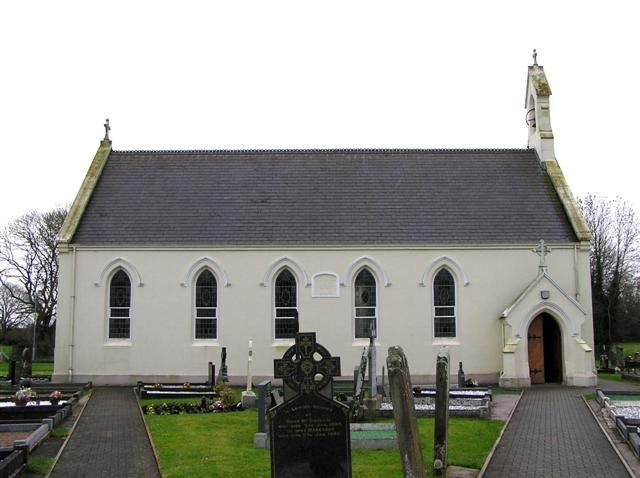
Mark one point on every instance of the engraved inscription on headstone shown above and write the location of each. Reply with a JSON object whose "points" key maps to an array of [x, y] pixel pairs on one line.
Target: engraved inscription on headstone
{"points": [[309, 432]]}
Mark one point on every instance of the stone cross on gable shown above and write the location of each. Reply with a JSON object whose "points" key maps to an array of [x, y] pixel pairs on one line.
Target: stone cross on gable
{"points": [[542, 250], [107, 128], [298, 368]]}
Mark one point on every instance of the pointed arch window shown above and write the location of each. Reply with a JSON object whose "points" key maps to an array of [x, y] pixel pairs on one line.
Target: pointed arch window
{"points": [[444, 304], [285, 305], [365, 305], [120, 306], [206, 306]]}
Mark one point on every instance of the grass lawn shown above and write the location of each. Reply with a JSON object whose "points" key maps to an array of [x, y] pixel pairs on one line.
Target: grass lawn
{"points": [[221, 445], [611, 376], [629, 348], [38, 368], [39, 465]]}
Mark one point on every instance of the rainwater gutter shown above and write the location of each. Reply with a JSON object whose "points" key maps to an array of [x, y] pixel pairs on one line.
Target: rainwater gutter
{"points": [[73, 312], [575, 271]]}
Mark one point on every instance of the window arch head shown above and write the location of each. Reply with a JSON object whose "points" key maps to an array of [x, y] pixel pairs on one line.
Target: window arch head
{"points": [[285, 305], [120, 306], [206, 306], [365, 304], [444, 304]]}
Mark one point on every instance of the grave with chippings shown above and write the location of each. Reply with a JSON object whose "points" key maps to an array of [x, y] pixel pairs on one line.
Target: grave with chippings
{"points": [[309, 430]]}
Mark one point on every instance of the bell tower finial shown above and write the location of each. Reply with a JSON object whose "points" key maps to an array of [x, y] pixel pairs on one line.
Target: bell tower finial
{"points": [[107, 128]]}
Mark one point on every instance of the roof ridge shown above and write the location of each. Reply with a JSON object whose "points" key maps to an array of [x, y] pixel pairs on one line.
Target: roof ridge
{"points": [[320, 150]]}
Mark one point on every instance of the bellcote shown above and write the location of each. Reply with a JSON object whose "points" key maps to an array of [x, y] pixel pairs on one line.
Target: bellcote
{"points": [[538, 116], [541, 139]]}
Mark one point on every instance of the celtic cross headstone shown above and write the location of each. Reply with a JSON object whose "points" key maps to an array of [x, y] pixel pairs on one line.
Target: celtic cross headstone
{"points": [[302, 372], [309, 431]]}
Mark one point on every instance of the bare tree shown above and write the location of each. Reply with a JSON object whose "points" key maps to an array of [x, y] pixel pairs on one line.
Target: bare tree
{"points": [[13, 313], [29, 265], [614, 263]]}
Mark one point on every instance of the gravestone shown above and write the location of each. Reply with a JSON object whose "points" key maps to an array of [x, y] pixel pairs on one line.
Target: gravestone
{"points": [[373, 402], [211, 374], [441, 413], [309, 432], [604, 359], [383, 387], [404, 413], [223, 377], [461, 378], [358, 382], [618, 356], [356, 387], [264, 396], [26, 362], [16, 356], [12, 371], [248, 397], [276, 398]]}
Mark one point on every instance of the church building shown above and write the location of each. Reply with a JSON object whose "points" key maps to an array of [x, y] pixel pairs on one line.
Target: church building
{"points": [[168, 256]]}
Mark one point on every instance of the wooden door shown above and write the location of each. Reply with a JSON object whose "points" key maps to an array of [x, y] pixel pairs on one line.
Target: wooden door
{"points": [[535, 339]]}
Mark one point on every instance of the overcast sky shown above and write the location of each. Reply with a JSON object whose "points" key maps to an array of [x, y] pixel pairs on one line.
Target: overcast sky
{"points": [[300, 74]]}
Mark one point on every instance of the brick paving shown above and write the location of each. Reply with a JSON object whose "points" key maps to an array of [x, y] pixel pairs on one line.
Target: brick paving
{"points": [[553, 434], [110, 440]]}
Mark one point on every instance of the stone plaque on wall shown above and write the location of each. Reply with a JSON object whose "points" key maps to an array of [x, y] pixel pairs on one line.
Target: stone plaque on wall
{"points": [[325, 284]]}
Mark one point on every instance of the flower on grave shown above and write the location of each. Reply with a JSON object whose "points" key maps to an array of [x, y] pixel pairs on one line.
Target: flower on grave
{"points": [[226, 394], [55, 395], [217, 406], [24, 395], [186, 385]]}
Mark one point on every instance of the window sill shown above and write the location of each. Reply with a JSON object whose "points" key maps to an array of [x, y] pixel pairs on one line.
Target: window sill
{"points": [[445, 342], [118, 343], [205, 343], [283, 343], [363, 343]]}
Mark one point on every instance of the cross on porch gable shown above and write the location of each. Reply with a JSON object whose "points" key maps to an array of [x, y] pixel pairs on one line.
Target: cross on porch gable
{"points": [[298, 366], [542, 250]]}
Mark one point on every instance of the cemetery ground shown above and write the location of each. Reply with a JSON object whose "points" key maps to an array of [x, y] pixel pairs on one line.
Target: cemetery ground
{"points": [[221, 445], [40, 367]]}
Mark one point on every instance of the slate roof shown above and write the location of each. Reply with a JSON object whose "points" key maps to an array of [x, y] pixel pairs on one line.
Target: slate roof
{"points": [[323, 197]]}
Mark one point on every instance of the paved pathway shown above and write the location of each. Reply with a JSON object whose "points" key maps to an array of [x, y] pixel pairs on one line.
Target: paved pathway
{"points": [[109, 441], [553, 434]]}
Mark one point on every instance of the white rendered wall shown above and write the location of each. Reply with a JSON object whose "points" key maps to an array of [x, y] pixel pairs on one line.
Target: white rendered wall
{"points": [[162, 345]]}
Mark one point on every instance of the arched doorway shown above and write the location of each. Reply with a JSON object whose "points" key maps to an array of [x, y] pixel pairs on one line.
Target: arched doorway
{"points": [[545, 350]]}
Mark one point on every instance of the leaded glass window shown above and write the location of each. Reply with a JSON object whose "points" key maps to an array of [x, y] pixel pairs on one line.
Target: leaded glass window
{"points": [[286, 305], [206, 315], [365, 300], [120, 306], [444, 304]]}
